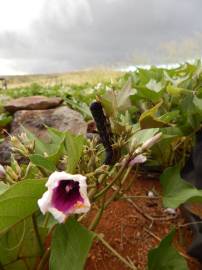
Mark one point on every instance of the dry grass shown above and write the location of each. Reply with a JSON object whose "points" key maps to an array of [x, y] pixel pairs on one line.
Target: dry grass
{"points": [[92, 76]]}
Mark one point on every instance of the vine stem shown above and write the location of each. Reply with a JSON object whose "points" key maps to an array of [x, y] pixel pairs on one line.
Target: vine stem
{"points": [[106, 188], [113, 197], [98, 216], [36, 231], [46, 219], [115, 253], [44, 260], [101, 179]]}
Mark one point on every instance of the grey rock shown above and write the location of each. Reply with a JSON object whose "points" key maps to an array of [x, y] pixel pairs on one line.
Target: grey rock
{"points": [[61, 118], [32, 103]]}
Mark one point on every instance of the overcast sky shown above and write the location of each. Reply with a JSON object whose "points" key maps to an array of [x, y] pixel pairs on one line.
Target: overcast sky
{"points": [[43, 36]]}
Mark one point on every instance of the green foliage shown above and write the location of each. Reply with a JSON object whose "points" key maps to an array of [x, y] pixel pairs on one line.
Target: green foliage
{"points": [[165, 256], [74, 148], [3, 187], [5, 119], [175, 190], [70, 245], [42, 162], [19, 201], [139, 105], [20, 242], [48, 155]]}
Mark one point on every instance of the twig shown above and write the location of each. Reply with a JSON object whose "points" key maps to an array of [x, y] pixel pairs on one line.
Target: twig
{"points": [[188, 224], [115, 253], [141, 197], [139, 210]]}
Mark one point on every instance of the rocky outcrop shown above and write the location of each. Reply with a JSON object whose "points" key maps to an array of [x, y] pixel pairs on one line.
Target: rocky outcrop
{"points": [[61, 118], [32, 103]]}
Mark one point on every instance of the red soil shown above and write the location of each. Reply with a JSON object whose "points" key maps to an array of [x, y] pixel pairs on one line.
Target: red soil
{"points": [[132, 234]]}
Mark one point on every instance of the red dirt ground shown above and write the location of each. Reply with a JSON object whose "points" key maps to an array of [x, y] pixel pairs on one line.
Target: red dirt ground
{"points": [[132, 234]]}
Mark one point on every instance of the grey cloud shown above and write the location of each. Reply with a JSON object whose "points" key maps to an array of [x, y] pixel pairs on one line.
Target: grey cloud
{"points": [[68, 37]]}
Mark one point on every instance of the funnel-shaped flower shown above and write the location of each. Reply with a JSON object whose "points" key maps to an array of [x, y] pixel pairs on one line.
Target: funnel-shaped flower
{"points": [[66, 194]]}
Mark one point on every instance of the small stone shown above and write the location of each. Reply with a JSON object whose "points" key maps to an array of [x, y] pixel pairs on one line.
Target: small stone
{"points": [[170, 211], [151, 194]]}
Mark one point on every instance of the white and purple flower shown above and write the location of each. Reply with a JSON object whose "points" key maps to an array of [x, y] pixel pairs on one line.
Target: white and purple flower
{"points": [[66, 194], [137, 160]]}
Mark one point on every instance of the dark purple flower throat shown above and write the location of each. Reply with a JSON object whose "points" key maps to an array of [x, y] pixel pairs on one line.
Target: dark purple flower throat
{"points": [[66, 195]]}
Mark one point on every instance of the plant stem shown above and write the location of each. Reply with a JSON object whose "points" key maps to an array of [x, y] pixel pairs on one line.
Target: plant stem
{"points": [[106, 188], [36, 231], [46, 219], [132, 180], [93, 190], [98, 216], [115, 253], [44, 260], [126, 174], [96, 220], [114, 195]]}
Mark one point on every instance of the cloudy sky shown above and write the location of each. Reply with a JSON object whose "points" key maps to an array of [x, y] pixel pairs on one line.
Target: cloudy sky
{"points": [[44, 36]]}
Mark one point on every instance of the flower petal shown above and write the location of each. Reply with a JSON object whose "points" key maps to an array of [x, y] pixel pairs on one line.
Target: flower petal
{"points": [[45, 202], [55, 177], [58, 215]]}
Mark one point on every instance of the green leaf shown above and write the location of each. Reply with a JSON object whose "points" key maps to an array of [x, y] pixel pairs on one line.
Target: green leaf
{"points": [[176, 91], [177, 80], [165, 256], [40, 146], [198, 103], [3, 187], [109, 103], [74, 147], [5, 119], [42, 162], [149, 94], [56, 136], [123, 97], [142, 136], [55, 157], [19, 201], [20, 242], [71, 243], [155, 86], [169, 116], [175, 190], [149, 120]]}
